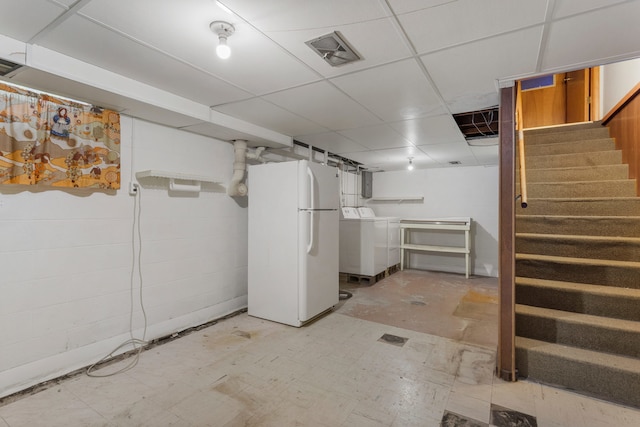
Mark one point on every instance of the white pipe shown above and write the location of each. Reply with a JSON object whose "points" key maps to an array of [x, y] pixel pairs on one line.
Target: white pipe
{"points": [[236, 186], [255, 154]]}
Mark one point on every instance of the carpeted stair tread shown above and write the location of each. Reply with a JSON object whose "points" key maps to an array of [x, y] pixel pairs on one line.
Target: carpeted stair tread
{"points": [[570, 147], [578, 246], [610, 188], [597, 300], [586, 270], [577, 173], [580, 261], [603, 375], [582, 206], [561, 135], [592, 158], [615, 336], [621, 226]]}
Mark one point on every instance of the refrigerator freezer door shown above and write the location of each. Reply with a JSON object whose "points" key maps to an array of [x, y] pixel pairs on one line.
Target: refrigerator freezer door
{"points": [[318, 272], [319, 186]]}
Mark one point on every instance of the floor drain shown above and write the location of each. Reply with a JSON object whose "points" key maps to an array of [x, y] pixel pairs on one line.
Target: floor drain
{"points": [[393, 339]]}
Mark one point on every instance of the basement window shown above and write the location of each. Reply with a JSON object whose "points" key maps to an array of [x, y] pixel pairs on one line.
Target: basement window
{"points": [[7, 67], [478, 124], [538, 82]]}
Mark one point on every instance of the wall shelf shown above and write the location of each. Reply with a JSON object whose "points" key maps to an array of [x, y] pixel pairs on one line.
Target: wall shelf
{"points": [[415, 225], [398, 199], [197, 180]]}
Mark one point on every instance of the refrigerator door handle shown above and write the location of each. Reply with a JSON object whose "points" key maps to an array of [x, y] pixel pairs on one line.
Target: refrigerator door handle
{"points": [[312, 207], [311, 189], [311, 233]]}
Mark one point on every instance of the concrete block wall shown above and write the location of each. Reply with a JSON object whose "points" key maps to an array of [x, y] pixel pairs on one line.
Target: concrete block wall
{"points": [[66, 258], [448, 192]]}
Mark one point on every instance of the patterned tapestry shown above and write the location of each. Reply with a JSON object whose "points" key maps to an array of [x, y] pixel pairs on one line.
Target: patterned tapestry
{"points": [[55, 142]]}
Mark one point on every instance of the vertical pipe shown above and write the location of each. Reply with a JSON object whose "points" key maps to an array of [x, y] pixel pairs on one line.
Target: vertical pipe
{"points": [[506, 361]]}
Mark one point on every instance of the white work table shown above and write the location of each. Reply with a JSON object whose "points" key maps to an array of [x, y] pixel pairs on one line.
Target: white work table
{"points": [[424, 224]]}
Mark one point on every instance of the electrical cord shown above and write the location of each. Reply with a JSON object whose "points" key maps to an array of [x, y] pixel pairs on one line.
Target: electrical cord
{"points": [[138, 344]]}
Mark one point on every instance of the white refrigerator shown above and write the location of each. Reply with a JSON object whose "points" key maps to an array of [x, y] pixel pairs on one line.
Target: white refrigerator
{"points": [[293, 241]]}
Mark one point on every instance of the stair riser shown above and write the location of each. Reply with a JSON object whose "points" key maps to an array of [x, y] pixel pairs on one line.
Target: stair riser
{"points": [[575, 301], [624, 277], [581, 226], [550, 137], [621, 188], [574, 248], [581, 207], [590, 337], [582, 146], [612, 157], [604, 382], [589, 173]]}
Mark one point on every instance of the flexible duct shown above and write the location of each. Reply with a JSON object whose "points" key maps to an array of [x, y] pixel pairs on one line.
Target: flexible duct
{"points": [[236, 186]]}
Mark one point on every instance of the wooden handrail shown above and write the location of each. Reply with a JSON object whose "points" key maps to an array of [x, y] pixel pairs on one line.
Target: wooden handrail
{"points": [[521, 161]]}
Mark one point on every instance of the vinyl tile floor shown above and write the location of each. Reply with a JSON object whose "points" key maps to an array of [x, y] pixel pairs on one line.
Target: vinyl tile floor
{"points": [[341, 370]]}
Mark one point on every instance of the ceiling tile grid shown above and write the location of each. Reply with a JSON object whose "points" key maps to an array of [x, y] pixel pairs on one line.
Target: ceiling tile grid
{"points": [[422, 60]]}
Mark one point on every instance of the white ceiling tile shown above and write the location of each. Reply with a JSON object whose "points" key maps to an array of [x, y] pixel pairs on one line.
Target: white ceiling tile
{"points": [[570, 7], [252, 52], [290, 15], [466, 75], [325, 105], [393, 92], [332, 142], [121, 55], [395, 159], [486, 155], [21, 20], [376, 137], [402, 7], [377, 42], [466, 20], [585, 40], [445, 153], [430, 130], [271, 116]]}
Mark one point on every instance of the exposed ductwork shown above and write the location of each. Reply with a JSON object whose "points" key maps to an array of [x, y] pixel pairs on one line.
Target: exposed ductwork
{"points": [[236, 186]]}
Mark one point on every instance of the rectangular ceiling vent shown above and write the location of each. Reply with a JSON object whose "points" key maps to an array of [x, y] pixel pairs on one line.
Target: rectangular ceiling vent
{"points": [[334, 49], [7, 67], [477, 125]]}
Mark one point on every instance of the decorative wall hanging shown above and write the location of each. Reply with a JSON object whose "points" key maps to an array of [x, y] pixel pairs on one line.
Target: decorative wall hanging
{"points": [[48, 141]]}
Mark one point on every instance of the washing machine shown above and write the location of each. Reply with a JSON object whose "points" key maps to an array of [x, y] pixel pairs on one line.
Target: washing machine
{"points": [[393, 235], [363, 243]]}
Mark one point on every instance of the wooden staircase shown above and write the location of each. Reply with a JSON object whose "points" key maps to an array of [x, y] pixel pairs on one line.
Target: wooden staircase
{"points": [[578, 265]]}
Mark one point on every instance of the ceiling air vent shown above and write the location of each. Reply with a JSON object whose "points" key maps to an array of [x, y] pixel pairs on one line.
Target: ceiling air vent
{"points": [[478, 125], [334, 49], [7, 67]]}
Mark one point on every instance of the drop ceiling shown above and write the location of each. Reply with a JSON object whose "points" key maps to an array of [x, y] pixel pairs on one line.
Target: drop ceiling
{"points": [[422, 61]]}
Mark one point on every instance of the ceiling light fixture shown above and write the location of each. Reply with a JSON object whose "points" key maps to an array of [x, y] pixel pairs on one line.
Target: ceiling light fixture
{"points": [[410, 167], [223, 30]]}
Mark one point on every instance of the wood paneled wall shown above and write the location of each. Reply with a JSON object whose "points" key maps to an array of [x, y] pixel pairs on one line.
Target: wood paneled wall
{"points": [[623, 122]]}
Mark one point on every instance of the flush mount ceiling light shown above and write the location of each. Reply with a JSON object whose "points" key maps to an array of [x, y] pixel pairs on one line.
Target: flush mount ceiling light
{"points": [[223, 30], [334, 49], [410, 167]]}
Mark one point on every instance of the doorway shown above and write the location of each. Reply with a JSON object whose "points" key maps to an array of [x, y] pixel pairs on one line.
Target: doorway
{"points": [[562, 98]]}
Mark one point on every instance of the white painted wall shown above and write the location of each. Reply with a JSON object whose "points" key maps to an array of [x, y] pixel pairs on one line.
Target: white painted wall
{"points": [[66, 258], [448, 192], [617, 80]]}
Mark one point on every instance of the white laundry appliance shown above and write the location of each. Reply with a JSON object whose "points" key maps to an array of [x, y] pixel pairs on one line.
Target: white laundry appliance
{"points": [[293, 241], [393, 235], [363, 244]]}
